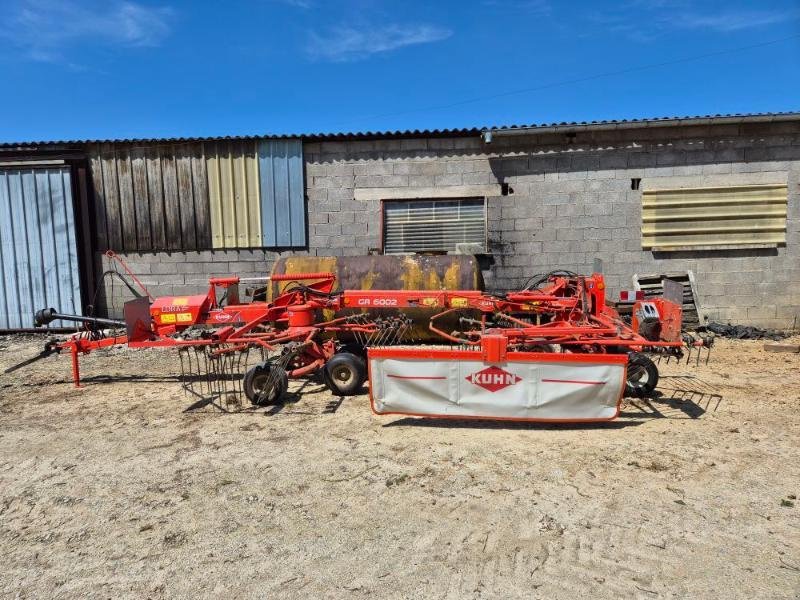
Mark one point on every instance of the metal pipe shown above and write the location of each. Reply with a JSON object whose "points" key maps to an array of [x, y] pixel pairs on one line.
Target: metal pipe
{"points": [[47, 315]]}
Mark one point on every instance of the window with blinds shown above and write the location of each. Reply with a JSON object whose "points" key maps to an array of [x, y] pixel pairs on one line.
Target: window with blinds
{"points": [[433, 225], [714, 217]]}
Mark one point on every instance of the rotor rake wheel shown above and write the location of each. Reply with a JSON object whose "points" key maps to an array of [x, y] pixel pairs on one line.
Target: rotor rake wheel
{"points": [[345, 373], [265, 383], [642, 376]]}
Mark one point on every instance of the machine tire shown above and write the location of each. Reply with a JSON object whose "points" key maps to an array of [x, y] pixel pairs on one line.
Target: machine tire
{"points": [[345, 373], [256, 377], [641, 377]]}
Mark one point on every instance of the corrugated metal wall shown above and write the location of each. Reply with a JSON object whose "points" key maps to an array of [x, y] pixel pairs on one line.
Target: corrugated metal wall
{"points": [[200, 195], [714, 217], [38, 253], [283, 217], [233, 189]]}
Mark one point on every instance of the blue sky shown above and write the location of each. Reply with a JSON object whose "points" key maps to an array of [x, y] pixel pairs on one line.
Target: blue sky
{"points": [[77, 69]]}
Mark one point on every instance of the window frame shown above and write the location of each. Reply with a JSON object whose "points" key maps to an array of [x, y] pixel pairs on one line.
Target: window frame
{"points": [[388, 201]]}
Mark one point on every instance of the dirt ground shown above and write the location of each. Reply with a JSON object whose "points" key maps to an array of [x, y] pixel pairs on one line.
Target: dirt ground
{"points": [[116, 490]]}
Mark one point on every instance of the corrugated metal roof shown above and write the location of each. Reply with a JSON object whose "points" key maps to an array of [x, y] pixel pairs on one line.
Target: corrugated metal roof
{"points": [[456, 132]]}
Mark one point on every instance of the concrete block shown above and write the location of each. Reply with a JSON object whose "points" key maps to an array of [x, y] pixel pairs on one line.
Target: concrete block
{"points": [[569, 210], [757, 313], [354, 229], [381, 181], [340, 194], [342, 217], [528, 224], [448, 179], [569, 234], [596, 234], [374, 168], [478, 178], [328, 229], [421, 180]]}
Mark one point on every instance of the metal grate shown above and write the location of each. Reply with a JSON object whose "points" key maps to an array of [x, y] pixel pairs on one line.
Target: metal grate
{"points": [[696, 218], [433, 225]]}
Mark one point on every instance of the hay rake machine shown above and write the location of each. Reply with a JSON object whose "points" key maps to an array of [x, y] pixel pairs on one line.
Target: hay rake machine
{"points": [[553, 351]]}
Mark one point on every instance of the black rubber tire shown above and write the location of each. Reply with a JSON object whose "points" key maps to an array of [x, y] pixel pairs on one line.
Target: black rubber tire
{"points": [[256, 377], [642, 376], [345, 373]]}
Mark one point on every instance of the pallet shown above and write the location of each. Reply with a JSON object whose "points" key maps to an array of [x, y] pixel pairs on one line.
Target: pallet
{"points": [[653, 285]]}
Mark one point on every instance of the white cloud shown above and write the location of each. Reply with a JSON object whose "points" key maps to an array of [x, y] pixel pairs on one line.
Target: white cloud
{"points": [[732, 21], [46, 30], [347, 43], [646, 20]]}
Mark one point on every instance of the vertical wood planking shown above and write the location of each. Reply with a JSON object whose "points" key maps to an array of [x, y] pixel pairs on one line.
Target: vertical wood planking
{"points": [[155, 193], [177, 197], [186, 196], [99, 198], [127, 209], [113, 213], [172, 209], [201, 199], [141, 195]]}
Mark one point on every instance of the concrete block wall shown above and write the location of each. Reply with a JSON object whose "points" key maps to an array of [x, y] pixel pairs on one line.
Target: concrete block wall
{"points": [[177, 273], [571, 202]]}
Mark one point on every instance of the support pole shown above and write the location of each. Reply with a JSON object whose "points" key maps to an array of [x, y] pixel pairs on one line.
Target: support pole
{"points": [[76, 374]]}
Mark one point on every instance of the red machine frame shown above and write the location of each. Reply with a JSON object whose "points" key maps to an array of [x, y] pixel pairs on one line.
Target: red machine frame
{"points": [[574, 308]]}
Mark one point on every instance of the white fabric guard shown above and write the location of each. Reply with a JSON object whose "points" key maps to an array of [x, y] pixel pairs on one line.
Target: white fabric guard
{"points": [[533, 390]]}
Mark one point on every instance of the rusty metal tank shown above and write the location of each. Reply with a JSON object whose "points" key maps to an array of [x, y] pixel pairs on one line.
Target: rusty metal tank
{"points": [[381, 272]]}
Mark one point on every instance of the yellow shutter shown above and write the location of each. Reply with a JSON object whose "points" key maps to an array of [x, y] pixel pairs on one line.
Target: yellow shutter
{"points": [[714, 217]]}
